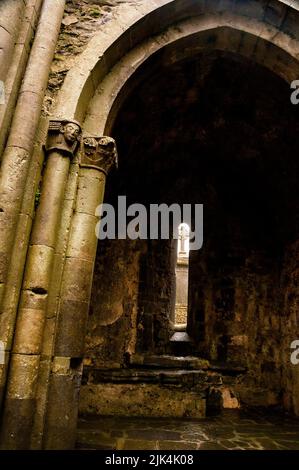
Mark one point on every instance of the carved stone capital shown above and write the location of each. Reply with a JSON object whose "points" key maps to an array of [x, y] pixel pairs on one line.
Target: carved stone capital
{"points": [[99, 153], [63, 136]]}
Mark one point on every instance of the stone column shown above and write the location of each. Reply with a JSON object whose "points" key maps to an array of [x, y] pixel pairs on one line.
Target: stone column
{"points": [[16, 158], [25, 30], [62, 143], [99, 154], [10, 13], [18, 256], [16, 174]]}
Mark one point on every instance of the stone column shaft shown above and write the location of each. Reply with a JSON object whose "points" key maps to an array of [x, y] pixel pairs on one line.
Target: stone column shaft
{"points": [[17, 155], [19, 253], [10, 13], [61, 145], [98, 155], [17, 62], [25, 106], [52, 305]]}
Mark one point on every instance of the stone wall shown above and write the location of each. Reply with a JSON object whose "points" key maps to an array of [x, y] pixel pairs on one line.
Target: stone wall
{"points": [[82, 20], [112, 327], [132, 301], [235, 316], [289, 325]]}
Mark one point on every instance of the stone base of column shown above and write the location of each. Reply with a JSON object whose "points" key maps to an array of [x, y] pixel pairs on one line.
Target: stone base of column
{"points": [[20, 402], [61, 420], [16, 427]]}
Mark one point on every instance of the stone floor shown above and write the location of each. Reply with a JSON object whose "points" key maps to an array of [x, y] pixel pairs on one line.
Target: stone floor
{"points": [[233, 430]]}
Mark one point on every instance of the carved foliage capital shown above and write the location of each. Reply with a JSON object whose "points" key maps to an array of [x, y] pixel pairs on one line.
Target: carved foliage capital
{"points": [[63, 136], [99, 153]]}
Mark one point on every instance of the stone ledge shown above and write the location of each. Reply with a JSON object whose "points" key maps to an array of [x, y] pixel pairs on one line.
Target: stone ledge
{"points": [[178, 378], [167, 361], [141, 400]]}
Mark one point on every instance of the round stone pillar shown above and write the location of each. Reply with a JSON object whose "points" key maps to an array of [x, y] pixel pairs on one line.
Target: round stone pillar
{"points": [[62, 143], [97, 157]]}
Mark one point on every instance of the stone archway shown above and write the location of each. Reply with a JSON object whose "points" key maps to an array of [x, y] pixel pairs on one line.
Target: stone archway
{"points": [[174, 127], [156, 26]]}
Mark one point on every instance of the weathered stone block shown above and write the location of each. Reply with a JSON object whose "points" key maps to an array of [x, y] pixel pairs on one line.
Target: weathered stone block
{"points": [[23, 377], [16, 428], [90, 190], [29, 332], [71, 328], [275, 13], [290, 25], [61, 420], [83, 240], [146, 400], [38, 269], [77, 279]]}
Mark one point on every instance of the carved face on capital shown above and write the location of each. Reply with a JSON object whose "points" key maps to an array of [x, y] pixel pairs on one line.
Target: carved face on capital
{"points": [[71, 132], [90, 145]]}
